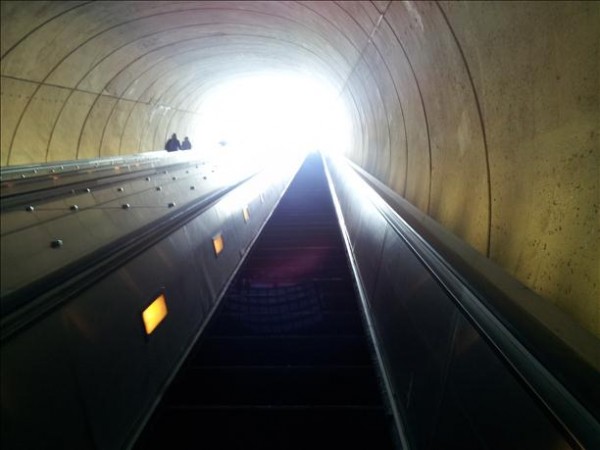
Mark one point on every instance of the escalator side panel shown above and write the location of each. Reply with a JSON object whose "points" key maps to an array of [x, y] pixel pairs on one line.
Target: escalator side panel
{"points": [[92, 350], [452, 387]]}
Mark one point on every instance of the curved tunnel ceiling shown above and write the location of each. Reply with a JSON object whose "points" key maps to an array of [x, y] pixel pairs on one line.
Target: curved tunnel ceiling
{"points": [[484, 115]]}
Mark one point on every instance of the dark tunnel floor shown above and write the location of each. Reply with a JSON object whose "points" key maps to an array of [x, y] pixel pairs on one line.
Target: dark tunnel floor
{"points": [[285, 362]]}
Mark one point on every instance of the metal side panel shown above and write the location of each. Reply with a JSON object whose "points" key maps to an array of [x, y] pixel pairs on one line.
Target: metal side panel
{"points": [[368, 240], [114, 357], [416, 324], [99, 219], [37, 391], [86, 376], [454, 386]]}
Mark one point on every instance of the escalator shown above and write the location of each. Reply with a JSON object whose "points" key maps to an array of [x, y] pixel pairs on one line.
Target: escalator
{"points": [[285, 362]]}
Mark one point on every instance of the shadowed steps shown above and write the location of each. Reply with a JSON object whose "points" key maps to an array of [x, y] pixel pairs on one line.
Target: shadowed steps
{"points": [[285, 362]]}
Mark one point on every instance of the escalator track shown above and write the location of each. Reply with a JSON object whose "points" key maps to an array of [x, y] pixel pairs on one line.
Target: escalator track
{"points": [[285, 362]]}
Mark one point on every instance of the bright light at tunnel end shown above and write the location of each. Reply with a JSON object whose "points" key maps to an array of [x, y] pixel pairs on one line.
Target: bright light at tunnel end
{"points": [[268, 116]]}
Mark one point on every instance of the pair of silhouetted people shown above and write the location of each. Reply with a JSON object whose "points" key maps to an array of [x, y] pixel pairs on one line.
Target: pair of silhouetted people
{"points": [[173, 144]]}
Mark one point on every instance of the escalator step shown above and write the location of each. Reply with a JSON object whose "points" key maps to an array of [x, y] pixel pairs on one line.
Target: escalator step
{"points": [[301, 323], [287, 385], [285, 362], [272, 429], [283, 350]]}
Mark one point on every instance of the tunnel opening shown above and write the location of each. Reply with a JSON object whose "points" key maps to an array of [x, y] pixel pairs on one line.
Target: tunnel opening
{"points": [[265, 115]]}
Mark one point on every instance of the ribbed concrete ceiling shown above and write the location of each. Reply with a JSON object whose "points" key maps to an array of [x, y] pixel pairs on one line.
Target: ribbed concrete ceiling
{"points": [[482, 114]]}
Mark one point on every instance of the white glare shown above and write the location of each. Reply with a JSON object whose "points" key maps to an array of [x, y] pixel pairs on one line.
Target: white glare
{"points": [[268, 116]]}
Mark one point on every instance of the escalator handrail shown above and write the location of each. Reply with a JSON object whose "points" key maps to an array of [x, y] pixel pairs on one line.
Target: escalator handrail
{"points": [[559, 378]]}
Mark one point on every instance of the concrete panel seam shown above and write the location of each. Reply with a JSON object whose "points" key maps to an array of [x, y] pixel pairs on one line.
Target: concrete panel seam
{"points": [[481, 121]]}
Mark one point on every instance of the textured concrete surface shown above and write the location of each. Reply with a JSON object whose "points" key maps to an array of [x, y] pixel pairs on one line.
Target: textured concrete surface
{"points": [[485, 115]]}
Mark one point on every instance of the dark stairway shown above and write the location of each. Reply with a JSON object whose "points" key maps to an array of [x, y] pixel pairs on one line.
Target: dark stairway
{"points": [[285, 362]]}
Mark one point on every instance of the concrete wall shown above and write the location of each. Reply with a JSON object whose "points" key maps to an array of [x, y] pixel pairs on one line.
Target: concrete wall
{"points": [[485, 115], [493, 131]]}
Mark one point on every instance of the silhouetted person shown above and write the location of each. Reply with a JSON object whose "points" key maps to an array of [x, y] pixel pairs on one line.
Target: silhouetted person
{"points": [[186, 144], [173, 144]]}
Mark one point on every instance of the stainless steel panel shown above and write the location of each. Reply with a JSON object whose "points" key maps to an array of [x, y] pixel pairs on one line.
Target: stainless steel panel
{"points": [[428, 307], [368, 238], [485, 407], [15, 220], [141, 184], [46, 214], [114, 359], [23, 254], [84, 200], [40, 407], [351, 214], [452, 388], [27, 255], [103, 359], [98, 225], [105, 194], [200, 233], [415, 322]]}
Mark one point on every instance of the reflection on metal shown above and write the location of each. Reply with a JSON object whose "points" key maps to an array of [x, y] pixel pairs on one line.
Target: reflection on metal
{"points": [[218, 243], [246, 214], [154, 314], [56, 243], [435, 317]]}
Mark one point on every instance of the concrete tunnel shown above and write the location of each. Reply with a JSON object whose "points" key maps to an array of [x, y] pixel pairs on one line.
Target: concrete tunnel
{"points": [[483, 115]]}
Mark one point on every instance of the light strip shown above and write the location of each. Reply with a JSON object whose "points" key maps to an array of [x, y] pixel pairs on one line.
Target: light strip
{"points": [[154, 314], [218, 243]]}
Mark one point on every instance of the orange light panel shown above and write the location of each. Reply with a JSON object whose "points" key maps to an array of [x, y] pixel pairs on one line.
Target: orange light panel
{"points": [[154, 314], [218, 243], [246, 213]]}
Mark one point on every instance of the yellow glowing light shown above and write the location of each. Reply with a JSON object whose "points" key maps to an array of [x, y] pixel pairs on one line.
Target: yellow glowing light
{"points": [[218, 243], [154, 314], [246, 214]]}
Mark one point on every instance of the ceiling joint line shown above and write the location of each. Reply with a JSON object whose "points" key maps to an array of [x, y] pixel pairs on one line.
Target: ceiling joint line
{"points": [[364, 48]]}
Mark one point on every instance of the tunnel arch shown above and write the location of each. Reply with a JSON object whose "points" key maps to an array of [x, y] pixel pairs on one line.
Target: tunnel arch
{"points": [[483, 115]]}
